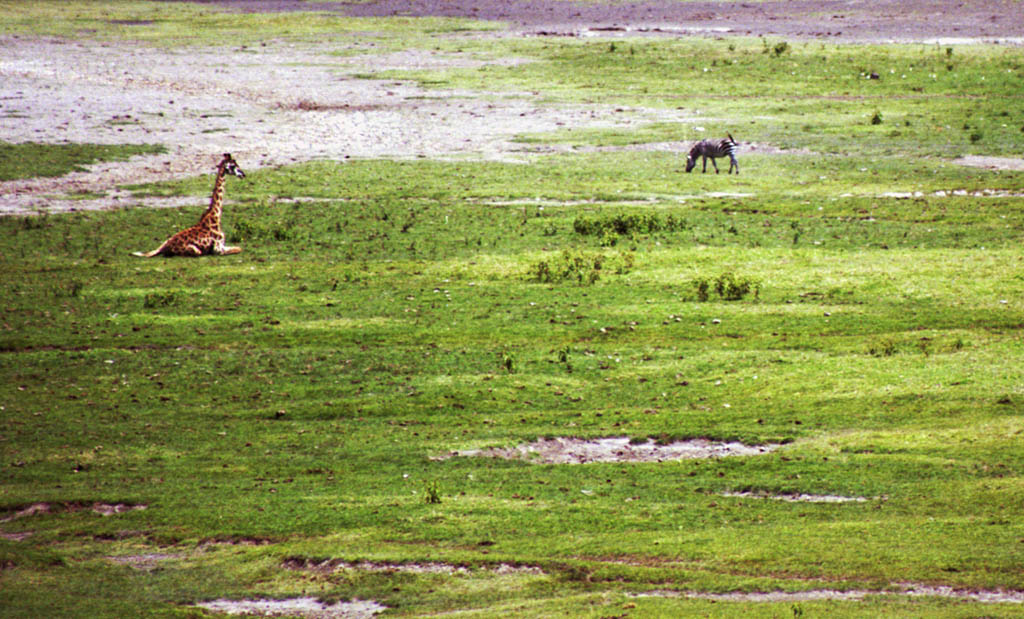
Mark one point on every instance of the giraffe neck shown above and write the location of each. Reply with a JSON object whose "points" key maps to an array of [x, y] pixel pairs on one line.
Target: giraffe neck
{"points": [[211, 218]]}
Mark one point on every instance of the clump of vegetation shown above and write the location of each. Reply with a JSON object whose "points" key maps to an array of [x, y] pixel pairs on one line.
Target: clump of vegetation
{"points": [[728, 286], [627, 223], [580, 266], [154, 300], [432, 493], [884, 347], [776, 50]]}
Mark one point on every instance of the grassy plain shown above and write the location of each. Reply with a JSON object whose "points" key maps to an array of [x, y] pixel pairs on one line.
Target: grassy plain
{"points": [[286, 404]]}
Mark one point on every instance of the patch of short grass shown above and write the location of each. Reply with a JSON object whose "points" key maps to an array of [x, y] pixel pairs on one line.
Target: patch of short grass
{"points": [[287, 401], [31, 160], [186, 23], [814, 96]]}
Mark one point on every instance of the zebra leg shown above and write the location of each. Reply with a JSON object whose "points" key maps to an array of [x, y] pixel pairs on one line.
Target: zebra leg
{"points": [[715, 165], [733, 162]]}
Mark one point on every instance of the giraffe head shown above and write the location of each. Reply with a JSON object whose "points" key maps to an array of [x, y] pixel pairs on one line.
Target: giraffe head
{"points": [[229, 166]]}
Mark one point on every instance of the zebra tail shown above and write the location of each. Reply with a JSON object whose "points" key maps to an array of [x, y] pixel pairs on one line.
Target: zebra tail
{"points": [[731, 139]]}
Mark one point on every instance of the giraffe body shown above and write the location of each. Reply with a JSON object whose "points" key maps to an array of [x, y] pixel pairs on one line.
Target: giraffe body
{"points": [[206, 237]]}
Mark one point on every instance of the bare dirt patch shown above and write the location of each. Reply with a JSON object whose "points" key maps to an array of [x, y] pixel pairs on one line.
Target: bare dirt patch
{"points": [[991, 163], [798, 498], [16, 537], [146, 562], [615, 449], [997, 596], [327, 566], [279, 105], [297, 607], [103, 509]]}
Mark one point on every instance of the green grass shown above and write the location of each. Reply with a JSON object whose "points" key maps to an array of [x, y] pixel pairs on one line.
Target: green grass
{"points": [[288, 402], [930, 101], [295, 392], [30, 160], [188, 24]]}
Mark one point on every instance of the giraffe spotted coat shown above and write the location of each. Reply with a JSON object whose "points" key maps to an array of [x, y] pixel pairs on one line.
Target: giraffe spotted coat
{"points": [[206, 237]]}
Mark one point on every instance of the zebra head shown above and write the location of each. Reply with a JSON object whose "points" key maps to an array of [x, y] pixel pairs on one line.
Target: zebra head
{"points": [[691, 159]]}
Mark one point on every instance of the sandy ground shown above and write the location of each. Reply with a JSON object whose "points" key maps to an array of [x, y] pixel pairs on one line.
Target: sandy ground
{"points": [[287, 103]]}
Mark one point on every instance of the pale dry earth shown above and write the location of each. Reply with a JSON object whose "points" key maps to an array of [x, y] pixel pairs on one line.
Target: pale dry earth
{"points": [[286, 103], [307, 607], [270, 106], [614, 449], [995, 596]]}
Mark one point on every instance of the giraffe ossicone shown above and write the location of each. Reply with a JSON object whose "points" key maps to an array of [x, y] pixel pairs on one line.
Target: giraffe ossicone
{"points": [[206, 237]]}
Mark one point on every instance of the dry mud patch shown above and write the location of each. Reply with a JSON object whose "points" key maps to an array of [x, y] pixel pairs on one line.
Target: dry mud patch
{"points": [[613, 449], [271, 106], [996, 596], [297, 607], [327, 566], [103, 509]]}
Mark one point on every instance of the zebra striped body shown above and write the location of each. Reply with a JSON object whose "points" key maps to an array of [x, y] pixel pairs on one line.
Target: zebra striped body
{"points": [[713, 149]]}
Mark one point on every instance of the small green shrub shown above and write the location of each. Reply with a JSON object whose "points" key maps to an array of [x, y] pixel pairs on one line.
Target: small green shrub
{"points": [[576, 265], [885, 347], [433, 494], [159, 299], [71, 289], [626, 224], [508, 361], [727, 286]]}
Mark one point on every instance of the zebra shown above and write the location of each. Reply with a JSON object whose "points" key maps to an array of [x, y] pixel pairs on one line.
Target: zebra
{"points": [[713, 149]]}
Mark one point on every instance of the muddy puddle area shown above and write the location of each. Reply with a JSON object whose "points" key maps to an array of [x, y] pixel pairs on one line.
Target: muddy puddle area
{"points": [[614, 449]]}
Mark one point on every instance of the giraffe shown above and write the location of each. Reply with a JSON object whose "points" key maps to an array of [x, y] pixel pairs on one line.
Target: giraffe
{"points": [[205, 237]]}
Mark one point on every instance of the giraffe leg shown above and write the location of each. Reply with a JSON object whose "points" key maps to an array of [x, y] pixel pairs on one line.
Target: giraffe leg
{"points": [[221, 249]]}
